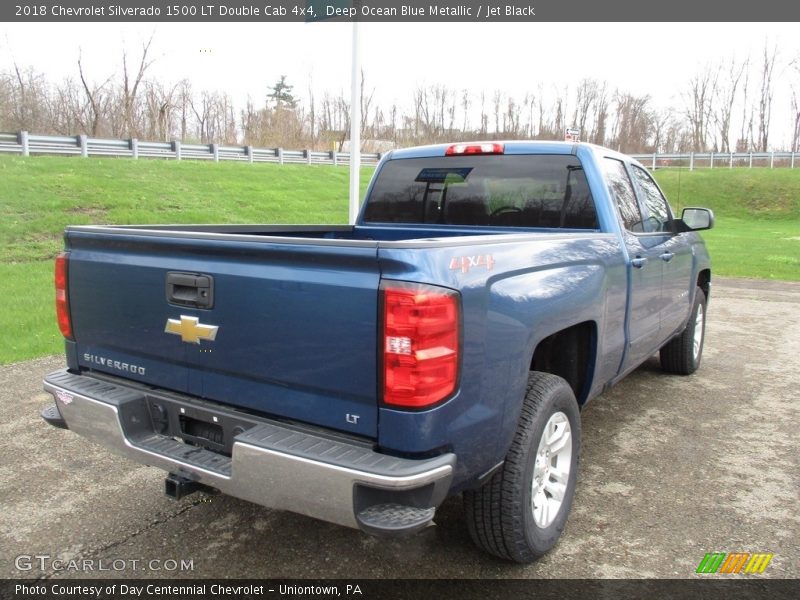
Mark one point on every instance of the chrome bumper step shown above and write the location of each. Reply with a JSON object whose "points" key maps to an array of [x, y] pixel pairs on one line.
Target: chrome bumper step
{"points": [[271, 463]]}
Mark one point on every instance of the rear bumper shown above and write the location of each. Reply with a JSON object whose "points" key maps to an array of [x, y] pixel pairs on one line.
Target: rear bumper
{"points": [[271, 463]]}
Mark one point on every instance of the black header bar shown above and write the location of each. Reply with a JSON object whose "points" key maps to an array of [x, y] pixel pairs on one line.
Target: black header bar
{"points": [[443, 11]]}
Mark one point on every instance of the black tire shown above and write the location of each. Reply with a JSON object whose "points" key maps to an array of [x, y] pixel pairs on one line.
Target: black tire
{"points": [[678, 355], [500, 515]]}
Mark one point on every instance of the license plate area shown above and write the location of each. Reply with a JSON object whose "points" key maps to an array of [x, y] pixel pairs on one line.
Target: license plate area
{"points": [[195, 425], [211, 434]]}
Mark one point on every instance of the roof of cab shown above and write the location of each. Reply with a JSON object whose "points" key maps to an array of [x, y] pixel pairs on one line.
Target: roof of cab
{"points": [[510, 147]]}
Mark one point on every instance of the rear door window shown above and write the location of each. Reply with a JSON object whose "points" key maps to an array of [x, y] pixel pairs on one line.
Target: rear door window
{"points": [[506, 191]]}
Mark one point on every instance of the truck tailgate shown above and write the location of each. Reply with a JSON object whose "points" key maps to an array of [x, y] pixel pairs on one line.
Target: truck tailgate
{"points": [[296, 322]]}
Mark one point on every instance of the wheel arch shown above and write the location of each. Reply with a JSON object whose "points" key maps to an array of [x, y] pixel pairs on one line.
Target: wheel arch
{"points": [[704, 281], [569, 353]]}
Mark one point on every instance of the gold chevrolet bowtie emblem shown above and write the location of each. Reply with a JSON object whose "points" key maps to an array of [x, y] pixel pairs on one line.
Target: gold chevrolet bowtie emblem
{"points": [[191, 329]]}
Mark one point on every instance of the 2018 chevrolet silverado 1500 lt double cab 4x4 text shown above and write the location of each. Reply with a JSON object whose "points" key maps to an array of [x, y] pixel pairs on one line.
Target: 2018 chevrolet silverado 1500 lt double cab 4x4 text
{"points": [[442, 345]]}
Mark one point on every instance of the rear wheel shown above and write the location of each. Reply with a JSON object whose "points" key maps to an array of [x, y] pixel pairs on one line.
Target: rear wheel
{"points": [[682, 354], [520, 512]]}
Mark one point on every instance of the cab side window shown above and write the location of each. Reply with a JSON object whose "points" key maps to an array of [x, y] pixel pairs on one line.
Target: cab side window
{"points": [[624, 196], [658, 216]]}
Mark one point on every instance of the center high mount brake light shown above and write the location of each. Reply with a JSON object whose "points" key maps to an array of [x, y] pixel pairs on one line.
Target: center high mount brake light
{"points": [[473, 149]]}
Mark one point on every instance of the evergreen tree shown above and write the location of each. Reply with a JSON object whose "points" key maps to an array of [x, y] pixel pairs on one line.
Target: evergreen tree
{"points": [[281, 94]]}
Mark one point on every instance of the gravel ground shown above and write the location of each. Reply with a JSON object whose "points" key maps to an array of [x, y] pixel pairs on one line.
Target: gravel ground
{"points": [[672, 468]]}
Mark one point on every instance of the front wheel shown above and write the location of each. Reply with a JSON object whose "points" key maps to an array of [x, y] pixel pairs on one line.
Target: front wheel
{"points": [[520, 512], [682, 354]]}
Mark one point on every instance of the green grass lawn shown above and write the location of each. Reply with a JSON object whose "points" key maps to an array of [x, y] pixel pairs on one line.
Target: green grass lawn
{"points": [[757, 233], [40, 196]]}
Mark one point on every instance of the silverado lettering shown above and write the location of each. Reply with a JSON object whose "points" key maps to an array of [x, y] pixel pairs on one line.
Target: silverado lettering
{"points": [[114, 364], [444, 344]]}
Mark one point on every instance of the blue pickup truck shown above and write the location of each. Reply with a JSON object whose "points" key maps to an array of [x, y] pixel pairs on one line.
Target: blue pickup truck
{"points": [[442, 345]]}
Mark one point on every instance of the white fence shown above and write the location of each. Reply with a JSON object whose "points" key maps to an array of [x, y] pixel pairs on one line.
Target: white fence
{"points": [[716, 160], [26, 144], [80, 145]]}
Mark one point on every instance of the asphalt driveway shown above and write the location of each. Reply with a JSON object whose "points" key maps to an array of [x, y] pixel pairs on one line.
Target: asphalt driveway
{"points": [[672, 468]]}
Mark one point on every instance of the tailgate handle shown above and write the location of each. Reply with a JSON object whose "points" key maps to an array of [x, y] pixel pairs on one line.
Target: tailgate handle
{"points": [[190, 289]]}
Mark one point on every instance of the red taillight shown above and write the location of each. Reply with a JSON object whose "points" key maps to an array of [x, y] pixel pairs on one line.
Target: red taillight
{"points": [[62, 301], [479, 148], [420, 344]]}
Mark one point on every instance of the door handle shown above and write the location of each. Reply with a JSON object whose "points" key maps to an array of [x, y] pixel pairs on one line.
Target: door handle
{"points": [[190, 289], [639, 262], [667, 256]]}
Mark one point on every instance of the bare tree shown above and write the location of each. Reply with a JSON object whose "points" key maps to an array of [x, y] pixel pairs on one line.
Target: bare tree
{"points": [[184, 100], [496, 98], [466, 103], [365, 100], [661, 121], [598, 135], [71, 111], [585, 96], [130, 89], [202, 110], [559, 124], [699, 105], [530, 104], [131, 103], [484, 117], [727, 91], [160, 107], [26, 99], [744, 142], [393, 123], [96, 96], [312, 113], [765, 97], [633, 125]]}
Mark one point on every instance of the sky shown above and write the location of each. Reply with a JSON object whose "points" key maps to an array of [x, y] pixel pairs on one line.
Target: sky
{"points": [[247, 58]]}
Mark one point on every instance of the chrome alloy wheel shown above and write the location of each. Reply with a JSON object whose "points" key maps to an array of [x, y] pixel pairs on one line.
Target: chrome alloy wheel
{"points": [[551, 469], [697, 340]]}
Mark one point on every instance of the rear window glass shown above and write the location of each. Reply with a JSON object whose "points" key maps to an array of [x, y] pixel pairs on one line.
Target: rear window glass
{"points": [[539, 190]]}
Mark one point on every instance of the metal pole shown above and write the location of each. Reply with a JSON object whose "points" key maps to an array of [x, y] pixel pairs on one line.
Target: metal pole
{"points": [[355, 131], [712, 160], [84, 143], [730, 164], [792, 165], [249, 151], [654, 161], [751, 160], [176, 145], [134, 143], [691, 161], [26, 149], [771, 160]]}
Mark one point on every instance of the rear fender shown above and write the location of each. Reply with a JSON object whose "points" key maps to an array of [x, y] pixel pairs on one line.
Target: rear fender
{"points": [[526, 310]]}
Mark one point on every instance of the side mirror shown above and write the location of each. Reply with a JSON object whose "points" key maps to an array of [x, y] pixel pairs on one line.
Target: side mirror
{"points": [[697, 218]]}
